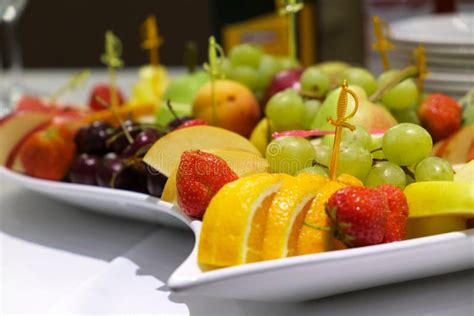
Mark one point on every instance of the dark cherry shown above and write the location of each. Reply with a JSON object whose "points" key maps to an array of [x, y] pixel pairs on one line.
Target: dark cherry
{"points": [[119, 140], [177, 122], [91, 139], [108, 166], [145, 138], [155, 182], [132, 178], [83, 169]]}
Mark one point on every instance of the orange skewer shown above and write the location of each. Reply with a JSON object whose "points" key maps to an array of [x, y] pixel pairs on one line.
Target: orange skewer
{"points": [[340, 123], [382, 45], [151, 39]]}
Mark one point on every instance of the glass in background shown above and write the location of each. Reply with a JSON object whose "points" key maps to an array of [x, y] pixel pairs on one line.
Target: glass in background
{"points": [[11, 79]]}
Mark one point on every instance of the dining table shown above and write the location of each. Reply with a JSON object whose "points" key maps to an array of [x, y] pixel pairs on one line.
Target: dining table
{"points": [[58, 259]]}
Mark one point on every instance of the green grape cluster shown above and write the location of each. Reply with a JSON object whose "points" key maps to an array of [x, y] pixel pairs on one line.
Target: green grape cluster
{"points": [[250, 66], [399, 157]]}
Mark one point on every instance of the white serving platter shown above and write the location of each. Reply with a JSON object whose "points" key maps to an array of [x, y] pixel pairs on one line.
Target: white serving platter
{"points": [[115, 202], [290, 279]]}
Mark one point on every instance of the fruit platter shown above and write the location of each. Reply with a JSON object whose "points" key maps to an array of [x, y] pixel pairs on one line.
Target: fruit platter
{"points": [[295, 180]]}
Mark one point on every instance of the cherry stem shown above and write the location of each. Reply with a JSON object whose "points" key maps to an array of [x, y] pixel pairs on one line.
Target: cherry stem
{"points": [[406, 73], [117, 116], [170, 107]]}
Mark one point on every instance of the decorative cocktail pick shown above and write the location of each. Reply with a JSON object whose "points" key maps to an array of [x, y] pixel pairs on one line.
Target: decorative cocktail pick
{"points": [[290, 9], [73, 83], [382, 45], [420, 58], [340, 123], [213, 67], [111, 58], [151, 39]]}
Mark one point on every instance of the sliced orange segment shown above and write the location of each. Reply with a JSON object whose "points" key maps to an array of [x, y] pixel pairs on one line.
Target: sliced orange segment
{"points": [[286, 215], [311, 240], [234, 222]]}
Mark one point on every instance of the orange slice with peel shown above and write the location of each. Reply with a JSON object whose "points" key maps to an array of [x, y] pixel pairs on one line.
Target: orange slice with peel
{"points": [[286, 215], [312, 239], [234, 223]]}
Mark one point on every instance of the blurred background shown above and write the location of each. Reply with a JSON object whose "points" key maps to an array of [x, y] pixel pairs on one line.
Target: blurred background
{"points": [[57, 33]]}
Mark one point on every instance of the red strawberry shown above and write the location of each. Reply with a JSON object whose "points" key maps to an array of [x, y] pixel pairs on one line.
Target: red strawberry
{"points": [[397, 218], [440, 115], [103, 92], [359, 215], [193, 122], [48, 153], [200, 175]]}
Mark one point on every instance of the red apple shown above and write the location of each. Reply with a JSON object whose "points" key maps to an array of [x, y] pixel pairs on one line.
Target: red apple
{"points": [[285, 79]]}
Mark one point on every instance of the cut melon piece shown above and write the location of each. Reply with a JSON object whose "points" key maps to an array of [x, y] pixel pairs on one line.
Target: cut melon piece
{"points": [[440, 198], [165, 154]]}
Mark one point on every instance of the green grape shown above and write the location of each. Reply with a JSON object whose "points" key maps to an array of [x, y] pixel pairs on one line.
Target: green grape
{"points": [[245, 55], [286, 109], [288, 63], [315, 170], [323, 155], [386, 172], [400, 97], [353, 159], [359, 136], [311, 108], [225, 67], [376, 149], [406, 116], [246, 76], [268, 67], [361, 77], [290, 154], [406, 144], [314, 81], [434, 169]]}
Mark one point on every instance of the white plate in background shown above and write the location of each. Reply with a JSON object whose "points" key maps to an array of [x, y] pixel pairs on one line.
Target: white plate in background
{"points": [[443, 29]]}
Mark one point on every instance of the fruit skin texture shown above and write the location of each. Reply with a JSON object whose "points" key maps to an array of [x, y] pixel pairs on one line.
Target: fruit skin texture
{"points": [[236, 107], [103, 91], [194, 122], [360, 215], [48, 153], [440, 115], [396, 227], [200, 175]]}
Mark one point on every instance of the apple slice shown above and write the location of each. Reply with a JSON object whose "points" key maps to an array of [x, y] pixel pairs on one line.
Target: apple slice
{"points": [[465, 173], [16, 127], [165, 154], [440, 198], [241, 162], [433, 225], [459, 145]]}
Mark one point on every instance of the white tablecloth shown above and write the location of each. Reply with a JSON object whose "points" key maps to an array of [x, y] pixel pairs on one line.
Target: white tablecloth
{"points": [[57, 259]]}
